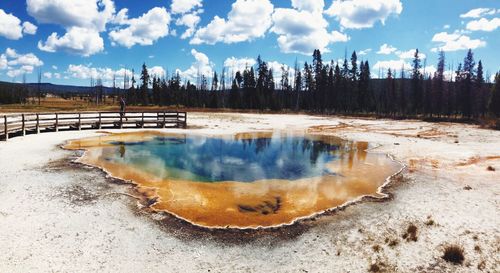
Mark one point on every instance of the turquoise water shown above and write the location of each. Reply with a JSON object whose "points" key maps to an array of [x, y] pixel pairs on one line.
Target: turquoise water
{"points": [[211, 159]]}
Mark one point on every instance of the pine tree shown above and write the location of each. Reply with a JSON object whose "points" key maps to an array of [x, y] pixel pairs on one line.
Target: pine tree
{"points": [[438, 86], [494, 104], [480, 93], [145, 85], [416, 80], [467, 76], [297, 85]]}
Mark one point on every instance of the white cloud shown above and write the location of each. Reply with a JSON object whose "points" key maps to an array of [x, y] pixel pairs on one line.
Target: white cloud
{"points": [[54, 67], [11, 53], [143, 30], [364, 52], [304, 29], [247, 20], [277, 72], [363, 13], [386, 49], [106, 74], [455, 41], [189, 20], [410, 54], [157, 71], [29, 28], [83, 20], [47, 75], [479, 12], [183, 6], [337, 36], [11, 27], [77, 40], [13, 73], [3, 62], [446, 27], [233, 64], [394, 65], [17, 64], [313, 6], [201, 66], [93, 14], [483, 24]]}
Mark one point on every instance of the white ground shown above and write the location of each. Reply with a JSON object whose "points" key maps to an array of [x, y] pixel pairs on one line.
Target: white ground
{"points": [[55, 219]]}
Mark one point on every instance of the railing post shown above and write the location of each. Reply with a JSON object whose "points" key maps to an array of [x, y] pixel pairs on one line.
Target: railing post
{"points": [[57, 122], [99, 121], [6, 128], [79, 121], [185, 119], [164, 121], [121, 120], [37, 123], [142, 121], [24, 126]]}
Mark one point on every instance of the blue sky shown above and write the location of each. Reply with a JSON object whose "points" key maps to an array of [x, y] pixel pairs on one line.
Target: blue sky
{"points": [[71, 41]]}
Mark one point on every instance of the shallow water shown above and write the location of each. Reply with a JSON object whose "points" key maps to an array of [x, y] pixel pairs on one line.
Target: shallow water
{"points": [[242, 181]]}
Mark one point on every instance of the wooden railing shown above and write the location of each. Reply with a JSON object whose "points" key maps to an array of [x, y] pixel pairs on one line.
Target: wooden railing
{"points": [[21, 124]]}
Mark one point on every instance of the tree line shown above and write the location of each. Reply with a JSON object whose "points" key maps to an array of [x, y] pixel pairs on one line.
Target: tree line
{"points": [[332, 88], [344, 87]]}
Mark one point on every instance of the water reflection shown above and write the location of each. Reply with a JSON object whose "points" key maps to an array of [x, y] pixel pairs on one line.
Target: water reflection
{"points": [[211, 159], [246, 180]]}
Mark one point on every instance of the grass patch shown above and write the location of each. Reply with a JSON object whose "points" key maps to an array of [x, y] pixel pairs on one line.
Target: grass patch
{"points": [[411, 233], [477, 248], [378, 267], [454, 254], [430, 221], [391, 242], [481, 265]]}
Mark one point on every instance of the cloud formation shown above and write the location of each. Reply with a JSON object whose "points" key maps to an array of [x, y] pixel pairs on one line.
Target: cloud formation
{"points": [[11, 27], [83, 20], [303, 28], [184, 6], [247, 20], [455, 41], [386, 49], [17, 64], [363, 13], [483, 24], [478, 12], [144, 30], [201, 66]]}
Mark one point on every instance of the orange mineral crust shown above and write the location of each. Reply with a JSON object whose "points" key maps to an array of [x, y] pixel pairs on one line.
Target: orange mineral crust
{"points": [[235, 204]]}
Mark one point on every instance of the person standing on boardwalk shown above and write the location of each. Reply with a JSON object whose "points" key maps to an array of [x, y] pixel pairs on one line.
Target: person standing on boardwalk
{"points": [[122, 108]]}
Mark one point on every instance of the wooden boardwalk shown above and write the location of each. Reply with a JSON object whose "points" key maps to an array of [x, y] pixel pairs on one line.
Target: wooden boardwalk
{"points": [[21, 124]]}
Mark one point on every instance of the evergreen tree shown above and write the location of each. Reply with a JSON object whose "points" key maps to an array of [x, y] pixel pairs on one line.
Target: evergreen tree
{"points": [[416, 84], [480, 93], [145, 85], [438, 86], [132, 93], [297, 85], [156, 91], [494, 104], [467, 76]]}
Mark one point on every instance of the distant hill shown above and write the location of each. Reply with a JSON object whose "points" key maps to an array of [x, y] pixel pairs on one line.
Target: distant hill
{"points": [[58, 89]]}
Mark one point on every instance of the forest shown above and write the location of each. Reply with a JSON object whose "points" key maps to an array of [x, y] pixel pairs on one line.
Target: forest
{"points": [[345, 87]]}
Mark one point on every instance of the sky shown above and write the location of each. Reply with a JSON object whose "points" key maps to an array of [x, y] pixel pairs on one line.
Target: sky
{"points": [[70, 42]]}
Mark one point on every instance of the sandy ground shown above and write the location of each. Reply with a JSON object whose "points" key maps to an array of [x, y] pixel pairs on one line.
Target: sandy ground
{"points": [[61, 217]]}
